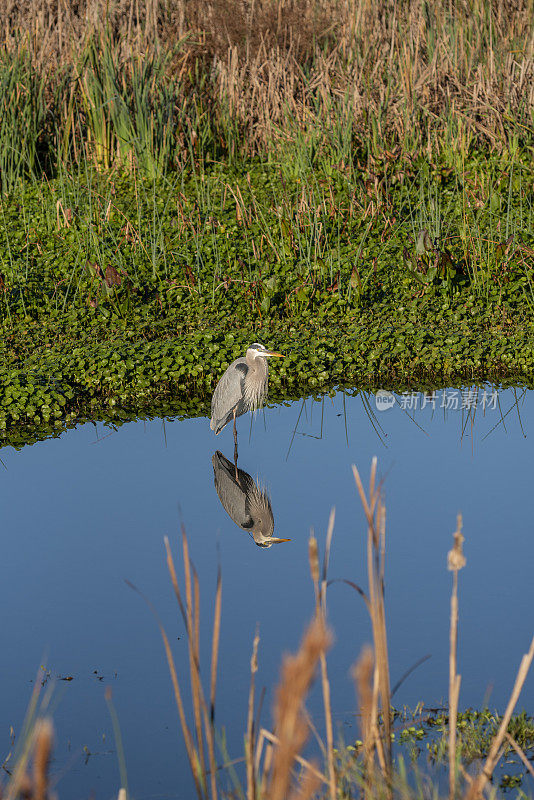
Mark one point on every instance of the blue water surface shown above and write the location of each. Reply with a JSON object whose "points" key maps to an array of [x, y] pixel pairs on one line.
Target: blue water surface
{"points": [[84, 513]]}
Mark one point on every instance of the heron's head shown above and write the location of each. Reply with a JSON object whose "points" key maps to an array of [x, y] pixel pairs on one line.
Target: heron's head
{"points": [[268, 541], [258, 350]]}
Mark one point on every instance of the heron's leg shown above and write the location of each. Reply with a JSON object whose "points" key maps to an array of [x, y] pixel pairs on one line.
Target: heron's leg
{"points": [[235, 446]]}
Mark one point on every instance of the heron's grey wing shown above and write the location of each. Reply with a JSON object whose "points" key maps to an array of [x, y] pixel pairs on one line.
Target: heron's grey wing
{"points": [[228, 395], [231, 495]]}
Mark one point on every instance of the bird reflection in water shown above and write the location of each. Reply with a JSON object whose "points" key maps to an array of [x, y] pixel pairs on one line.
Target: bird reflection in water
{"points": [[244, 501]]}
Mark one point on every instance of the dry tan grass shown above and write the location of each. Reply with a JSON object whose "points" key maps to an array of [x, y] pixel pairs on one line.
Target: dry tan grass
{"points": [[203, 716], [37, 747], [399, 67], [250, 739], [476, 788], [404, 74], [290, 725], [363, 675], [455, 562], [320, 610], [203, 769], [375, 512]]}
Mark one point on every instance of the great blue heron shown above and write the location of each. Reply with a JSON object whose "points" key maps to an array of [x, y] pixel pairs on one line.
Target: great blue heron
{"points": [[243, 387], [244, 501]]}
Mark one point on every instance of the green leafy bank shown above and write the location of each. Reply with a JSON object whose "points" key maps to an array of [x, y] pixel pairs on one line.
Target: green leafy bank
{"points": [[119, 294]]}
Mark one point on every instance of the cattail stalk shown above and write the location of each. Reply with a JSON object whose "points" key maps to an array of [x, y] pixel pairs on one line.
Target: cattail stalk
{"points": [[455, 562]]}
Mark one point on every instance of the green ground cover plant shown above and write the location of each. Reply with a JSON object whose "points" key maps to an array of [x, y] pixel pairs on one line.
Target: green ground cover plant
{"points": [[119, 291]]}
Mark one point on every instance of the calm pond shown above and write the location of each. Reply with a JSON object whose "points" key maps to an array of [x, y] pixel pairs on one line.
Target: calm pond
{"points": [[88, 510]]}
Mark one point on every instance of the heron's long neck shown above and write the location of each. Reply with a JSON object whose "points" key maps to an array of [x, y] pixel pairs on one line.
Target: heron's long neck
{"points": [[259, 507], [256, 382], [261, 368]]}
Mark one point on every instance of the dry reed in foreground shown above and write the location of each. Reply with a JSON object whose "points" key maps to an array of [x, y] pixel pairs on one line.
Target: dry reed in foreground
{"points": [[455, 562], [375, 513], [290, 724], [276, 764], [199, 739], [37, 748]]}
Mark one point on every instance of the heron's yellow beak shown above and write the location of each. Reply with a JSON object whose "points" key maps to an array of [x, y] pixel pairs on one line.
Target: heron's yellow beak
{"points": [[275, 540], [272, 353]]}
